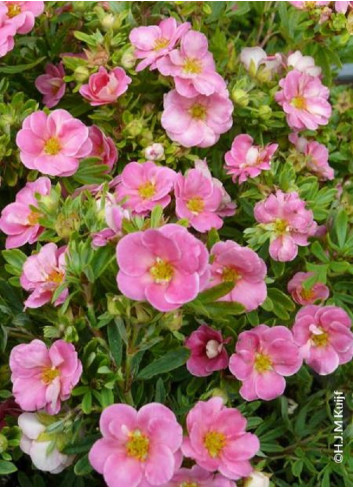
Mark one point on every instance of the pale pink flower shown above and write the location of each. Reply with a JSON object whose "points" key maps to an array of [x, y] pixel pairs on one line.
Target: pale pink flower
{"points": [[197, 199], [102, 147], [114, 216], [217, 439], [54, 143], [316, 156], [51, 84], [197, 121], [304, 64], [257, 479], [304, 99], [44, 455], [208, 353], [7, 32], [309, 5], [342, 7], [144, 186], [231, 262], [255, 57], [324, 336], [137, 446], [247, 160], [153, 42], [19, 220], [105, 87], [166, 267], [43, 377], [263, 356], [42, 274], [192, 66], [290, 224], [199, 477], [305, 296], [23, 14], [154, 152]]}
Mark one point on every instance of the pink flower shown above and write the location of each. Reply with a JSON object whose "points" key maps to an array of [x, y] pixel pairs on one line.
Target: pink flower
{"points": [[114, 216], [263, 356], [23, 14], [197, 199], [246, 160], [43, 377], [305, 296], [241, 265], [18, 220], [52, 84], [104, 88], [316, 156], [207, 351], [289, 223], [153, 42], [197, 121], [199, 477], [167, 266], [53, 144], [342, 7], [255, 57], [217, 439], [324, 336], [136, 445], [304, 100], [309, 5], [144, 186], [192, 67], [304, 64], [102, 147], [7, 32], [42, 274]]}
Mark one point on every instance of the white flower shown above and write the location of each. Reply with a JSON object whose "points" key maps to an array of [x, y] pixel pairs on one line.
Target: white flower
{"points": [[305, 64], [257, 479]]}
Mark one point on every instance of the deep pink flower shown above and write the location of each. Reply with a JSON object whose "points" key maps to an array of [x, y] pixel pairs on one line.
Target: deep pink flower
{"points": [[324, 336], [18, 220], [246, 160], [318, 292], [217, 439], [167, 266], [43, 377], [289, 223], [144, 186], [199, 477], [52, 84], [207, 351], [7, 32], [304, 99], [136, 445], [241, 265], [153, 42], [305, 64], [192, 67], [23, 14], [42, 274], [105, 87], [316, 156], [197, 199], [102, 147], [197, 121], [53, 144], [263, 356]]}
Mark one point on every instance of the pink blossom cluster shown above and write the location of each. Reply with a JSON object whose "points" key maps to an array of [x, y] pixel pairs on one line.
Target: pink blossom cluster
{"points": [[198, 110], [16, 18]]}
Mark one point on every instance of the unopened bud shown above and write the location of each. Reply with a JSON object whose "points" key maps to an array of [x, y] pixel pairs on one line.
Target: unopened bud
{"points": [[240, 97]]}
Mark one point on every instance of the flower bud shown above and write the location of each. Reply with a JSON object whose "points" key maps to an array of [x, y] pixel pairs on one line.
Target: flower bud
{"points": [[257, 479], [128, 59], [134, 128], [3, 443], [81, 74], [155, 152], [240, 97], [66, 225], [265, 112]]}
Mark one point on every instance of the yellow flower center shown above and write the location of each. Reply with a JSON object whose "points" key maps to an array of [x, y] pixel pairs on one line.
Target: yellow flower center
{"points": [[55, 276], [33, 218], [138, 446], [52, 146], [262, 362], [307, 294], [147, 190], [230, 274], [214, 443], [49, 374], [320, 340], [299, 103], [192, 66], [188, 484], [198, 111], [281, 226], [195, 205], [13, 9], [161, 271], [161, 43]]}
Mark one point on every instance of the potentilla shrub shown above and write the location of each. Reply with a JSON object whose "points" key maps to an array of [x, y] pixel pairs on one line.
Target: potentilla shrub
{"points": [[177, 246]]}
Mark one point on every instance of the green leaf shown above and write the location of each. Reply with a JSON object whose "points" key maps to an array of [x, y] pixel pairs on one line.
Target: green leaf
{"points": [[7, 467], [81, 446], [341, 227], [86, 405], [11, 70], [15, 258], [168, 362], [82, 466], [156, 216], [282, 304], [115, 343], [91, 171], [216, 292]]}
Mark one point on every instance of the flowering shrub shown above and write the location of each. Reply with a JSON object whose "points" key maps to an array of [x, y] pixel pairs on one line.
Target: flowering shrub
{"points": [[177, 245]]}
